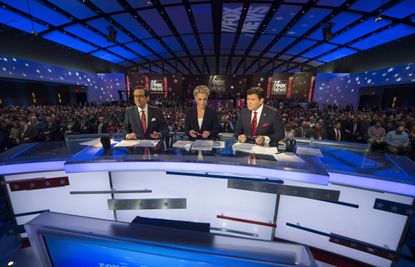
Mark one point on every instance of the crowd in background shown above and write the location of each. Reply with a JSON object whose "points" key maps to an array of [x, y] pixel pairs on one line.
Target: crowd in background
{"points": [[391, 130]]}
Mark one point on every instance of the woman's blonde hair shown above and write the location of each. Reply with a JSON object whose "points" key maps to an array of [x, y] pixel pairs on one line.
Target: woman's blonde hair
{"points": [[201, 89]]}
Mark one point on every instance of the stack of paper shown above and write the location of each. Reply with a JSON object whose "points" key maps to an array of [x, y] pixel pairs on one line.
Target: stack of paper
{"points": [[205, 145], [127, 143], [147, 143], [255, 149], [264, 150], [243, 147], [288, 157], [139, 143]]}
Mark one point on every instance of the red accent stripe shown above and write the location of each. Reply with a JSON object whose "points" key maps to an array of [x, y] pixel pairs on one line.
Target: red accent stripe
{"points": [[290, 87], [165, 87], [310, 91], [245, 221], [269, 87], [39, 183]]}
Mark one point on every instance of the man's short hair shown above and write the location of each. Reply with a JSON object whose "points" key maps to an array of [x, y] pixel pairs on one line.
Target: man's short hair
{"points": [[256, 91], [139, 87]]}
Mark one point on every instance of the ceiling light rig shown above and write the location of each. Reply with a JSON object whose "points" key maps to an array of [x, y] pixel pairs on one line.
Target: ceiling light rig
{"points": [[378, 18]]}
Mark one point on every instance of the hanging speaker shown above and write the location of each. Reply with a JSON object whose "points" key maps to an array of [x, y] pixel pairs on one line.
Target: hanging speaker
{"points": [[327, 31], [112, 34]]}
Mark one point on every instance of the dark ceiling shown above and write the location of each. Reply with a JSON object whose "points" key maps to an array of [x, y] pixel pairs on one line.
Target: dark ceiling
{"points": [[215, 37]]}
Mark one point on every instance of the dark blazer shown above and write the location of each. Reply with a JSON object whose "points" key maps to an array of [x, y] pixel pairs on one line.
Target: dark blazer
{"points": [[156, 122], [269, 124], [331, 135], [210, 122]]}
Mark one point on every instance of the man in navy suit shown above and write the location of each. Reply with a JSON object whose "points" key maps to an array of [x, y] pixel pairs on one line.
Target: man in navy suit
{"points": [[258, 122], [144, 121]]}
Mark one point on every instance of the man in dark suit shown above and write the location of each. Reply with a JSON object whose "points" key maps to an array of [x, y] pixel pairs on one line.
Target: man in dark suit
{"points": [[31, 133], [102, 126], [336, 132], [258, 122], [144, 121]]}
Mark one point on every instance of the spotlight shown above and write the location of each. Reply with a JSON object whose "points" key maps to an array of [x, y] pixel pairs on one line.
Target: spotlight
{"points": [[327, 31], [10, 263], [112, 34], [378, 18]]}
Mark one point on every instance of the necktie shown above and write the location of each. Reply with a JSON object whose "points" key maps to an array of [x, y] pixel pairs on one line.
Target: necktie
{"points": [[143, 121], [146, 153], [337, 135], [253, 125]]}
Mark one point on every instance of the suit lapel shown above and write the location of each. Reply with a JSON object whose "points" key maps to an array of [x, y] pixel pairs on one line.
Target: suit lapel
{"points": [[204, 119], [263, 118], [150, 117]]}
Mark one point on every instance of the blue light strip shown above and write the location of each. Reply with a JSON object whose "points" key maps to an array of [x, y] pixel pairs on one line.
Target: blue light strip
{"points": [[39, 11], [396, 32], [30, 146], [17, 21], [69, 41], [265, 173], [372, 184], [31, 167], [107, 56], [75, 8]]}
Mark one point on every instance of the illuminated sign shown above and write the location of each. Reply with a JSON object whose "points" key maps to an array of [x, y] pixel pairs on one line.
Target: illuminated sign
{"points": [[253, 19], [156, 86], [279, 87]]}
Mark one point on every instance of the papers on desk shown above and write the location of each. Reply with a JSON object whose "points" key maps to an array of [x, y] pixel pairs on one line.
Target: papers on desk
{"points": [[288, 157], [264, 150], [255, 149], [96, 142], [147, 143], [183, 144], [243, 147], [204, 145], [138, 143], [309, 151], [127, 143]]}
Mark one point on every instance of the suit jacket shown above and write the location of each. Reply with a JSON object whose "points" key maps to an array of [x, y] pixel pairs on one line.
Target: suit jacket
{"points": [[156, 122], [321, 134], [269, 124], [104, 128], [210, 122], [300, 131], [331, 134]]}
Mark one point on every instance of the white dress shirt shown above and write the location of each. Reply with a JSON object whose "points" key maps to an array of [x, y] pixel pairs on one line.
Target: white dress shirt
{"points": [[258, 117]]}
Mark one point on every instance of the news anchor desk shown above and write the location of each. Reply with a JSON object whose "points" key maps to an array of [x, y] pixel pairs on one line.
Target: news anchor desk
{"points": [[348, 202]]}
